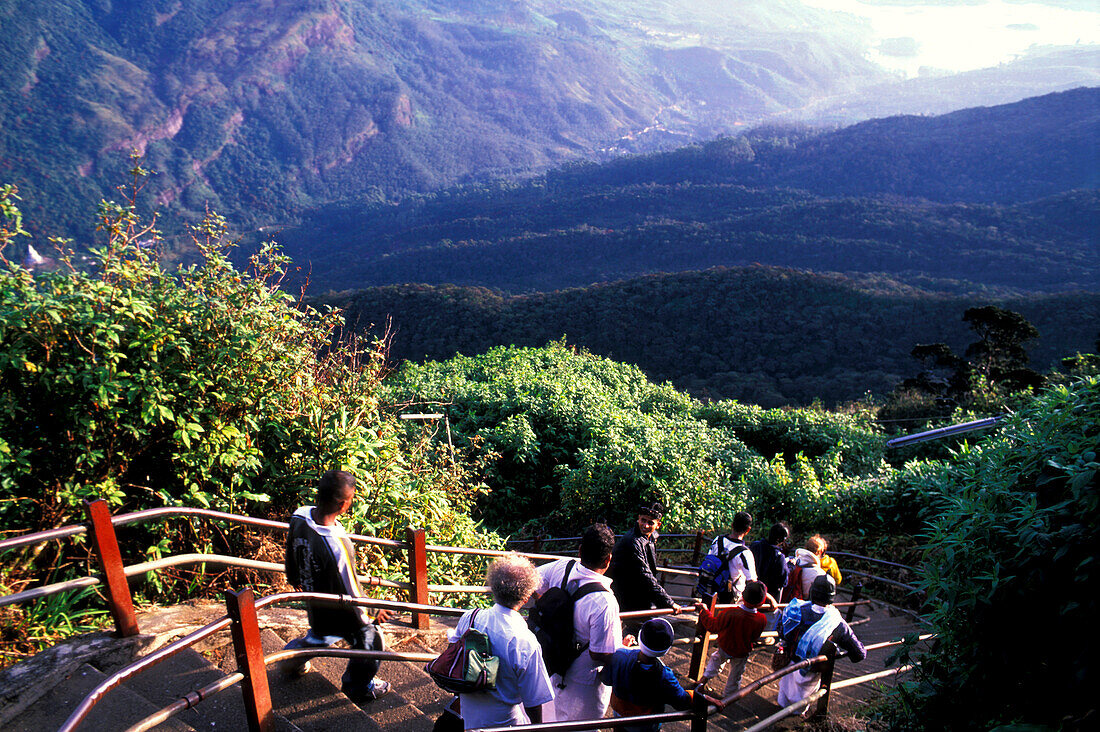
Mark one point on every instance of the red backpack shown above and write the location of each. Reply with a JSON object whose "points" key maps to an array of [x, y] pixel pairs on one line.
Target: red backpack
{"points": [[793, 590]]}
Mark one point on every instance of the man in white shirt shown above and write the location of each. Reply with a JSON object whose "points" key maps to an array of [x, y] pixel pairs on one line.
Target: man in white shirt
{"points": [[522, 684], [596, 624], [742, 566]]}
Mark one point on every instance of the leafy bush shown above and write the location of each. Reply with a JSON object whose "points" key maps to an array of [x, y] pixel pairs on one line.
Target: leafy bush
{"points": [[569, 438], [205, 386], [1010, 574]]}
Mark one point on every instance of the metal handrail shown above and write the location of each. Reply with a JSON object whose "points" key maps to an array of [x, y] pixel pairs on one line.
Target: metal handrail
{"points": [[40, 537], [114, 680], [441, 549], [884, 580], [875, 560], [177, 560], [746, 690], [125, 519], [193, 558]]}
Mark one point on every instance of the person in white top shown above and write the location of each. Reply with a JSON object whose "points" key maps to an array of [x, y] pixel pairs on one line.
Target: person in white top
{"points": [[742, 565], [809, 560], [596, 624], [321, 558], [522, 685]]}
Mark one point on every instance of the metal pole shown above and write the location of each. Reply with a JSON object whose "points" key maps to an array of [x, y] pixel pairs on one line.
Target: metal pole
{"points": [[250, 660], [857, 591], [418, 575], [701, 646], [110, 560], [699, 705], [697, 555]]}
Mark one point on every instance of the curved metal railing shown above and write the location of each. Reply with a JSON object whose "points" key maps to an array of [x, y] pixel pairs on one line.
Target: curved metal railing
{"points": [[192, 559], [101, 528], [143, 664]]}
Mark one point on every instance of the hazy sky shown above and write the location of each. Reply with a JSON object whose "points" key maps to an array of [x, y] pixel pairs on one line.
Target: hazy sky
{"points": [[960, 35]]}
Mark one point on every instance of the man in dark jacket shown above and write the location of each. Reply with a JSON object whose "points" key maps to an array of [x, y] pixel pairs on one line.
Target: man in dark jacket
{"points": [[321, 558], [634, 565]]}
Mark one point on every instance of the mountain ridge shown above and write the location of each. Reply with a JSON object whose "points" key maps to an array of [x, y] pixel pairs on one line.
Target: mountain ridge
{"points": [[764, 335], [1002, 197]]}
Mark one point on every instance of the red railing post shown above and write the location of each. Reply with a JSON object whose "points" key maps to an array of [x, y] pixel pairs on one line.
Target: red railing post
{"points": [[110, 561], [697, 555], [700, 647], [857, 592], [418, 575], [250, 660], [536, 544]]}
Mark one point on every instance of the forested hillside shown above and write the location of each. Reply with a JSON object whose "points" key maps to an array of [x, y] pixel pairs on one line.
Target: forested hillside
{"points": [[761, 335], [995, 198]]}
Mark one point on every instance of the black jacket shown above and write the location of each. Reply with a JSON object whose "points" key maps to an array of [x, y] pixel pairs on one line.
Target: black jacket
{"points": [[634, 573], [322, 559]]}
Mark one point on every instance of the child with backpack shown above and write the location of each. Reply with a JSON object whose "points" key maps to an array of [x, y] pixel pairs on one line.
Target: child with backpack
{"points": [[729, 564], [640, 683], [807, 567], [738, 628]]}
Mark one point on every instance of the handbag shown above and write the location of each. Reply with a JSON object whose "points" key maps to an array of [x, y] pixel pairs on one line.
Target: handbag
{"points": [[467, 664], [781, 658]]}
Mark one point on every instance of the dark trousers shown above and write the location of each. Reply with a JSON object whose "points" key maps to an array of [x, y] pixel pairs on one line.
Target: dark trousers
{"points": [[360, 672]]}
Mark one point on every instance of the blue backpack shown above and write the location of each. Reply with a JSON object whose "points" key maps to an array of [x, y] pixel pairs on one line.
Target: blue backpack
{"points": [[714, 571]]}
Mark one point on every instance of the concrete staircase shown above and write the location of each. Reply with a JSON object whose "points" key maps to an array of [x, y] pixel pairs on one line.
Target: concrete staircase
{"points": [[314, 702]]}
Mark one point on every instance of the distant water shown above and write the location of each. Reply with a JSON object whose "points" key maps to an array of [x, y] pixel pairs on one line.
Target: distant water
{"points": [[912, 37]]}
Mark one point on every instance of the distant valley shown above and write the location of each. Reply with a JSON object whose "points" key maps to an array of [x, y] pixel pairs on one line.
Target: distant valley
{"points": [[261, 109], [1002, 198], [762, 335]]}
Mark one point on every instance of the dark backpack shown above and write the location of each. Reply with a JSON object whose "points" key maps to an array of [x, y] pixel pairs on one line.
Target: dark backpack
{"points": [[551, 620], [714, 571]]}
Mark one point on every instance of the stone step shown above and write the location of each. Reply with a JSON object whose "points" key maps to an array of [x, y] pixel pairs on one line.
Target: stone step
{"points": [[315, 702], [188, 671], [119, 708]]}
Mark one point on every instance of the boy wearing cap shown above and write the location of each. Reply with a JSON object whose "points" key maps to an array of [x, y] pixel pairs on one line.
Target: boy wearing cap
{"points": [[640, 683], [737, 628]]}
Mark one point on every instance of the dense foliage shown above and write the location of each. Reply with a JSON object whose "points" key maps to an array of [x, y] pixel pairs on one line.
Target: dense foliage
{"points": [[206, 387], [1010, 574], [760, 335], [571, 438]]}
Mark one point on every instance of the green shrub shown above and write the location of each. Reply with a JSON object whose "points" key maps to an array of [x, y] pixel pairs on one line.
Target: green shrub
{"points": [[1010, 574], [206, 386]]}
